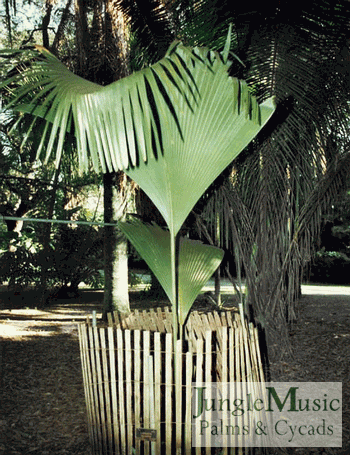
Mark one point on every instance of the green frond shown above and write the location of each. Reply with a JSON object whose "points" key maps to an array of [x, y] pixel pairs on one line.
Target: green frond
{"points": [[197, 261]]}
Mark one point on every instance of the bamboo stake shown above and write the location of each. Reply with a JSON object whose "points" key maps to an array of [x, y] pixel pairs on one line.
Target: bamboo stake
{"points": [[128, 363], [217, 320], [111, 348], [232, 344], [160, 321], [238, 377], [243, 377], [224, 320], [168, 394], [178, 394], [110, 319], [224, 375], [121, 363], [232, 368], [106, 384], [146, 385], [197, 325], [188, 402], [102, 410], [199, 381], [137, 385], [151, 400], [208, 376], [94, 383], [210, 321], [157, 389], [84, 355]]}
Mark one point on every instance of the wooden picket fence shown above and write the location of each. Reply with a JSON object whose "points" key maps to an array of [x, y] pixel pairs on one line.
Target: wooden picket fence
{"points": [[138, 384]]}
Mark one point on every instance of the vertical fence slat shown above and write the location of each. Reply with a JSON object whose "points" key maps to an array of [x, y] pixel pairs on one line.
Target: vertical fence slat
{"points": [[178, 394], [236, 360], [129, 414], [241, 348], [242, 375], [94, 382], [168, 392], [102, 410], [224, 320], [160, 322], [225, 351], [197, 325], [121, 382], [157, 388], [231, 318], [187, 399], [231, 359], [137, 385], [146, 385], [208, 374], [217, 320], [84, 355], [232, 367], [111, 348], [168, 320], [110, 319], [152, 418], [106, 388], [199, 379], [224, 375], [211, 321]]}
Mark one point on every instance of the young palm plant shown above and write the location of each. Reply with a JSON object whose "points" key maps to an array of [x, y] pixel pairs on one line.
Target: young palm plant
{"points": [[173, 127]]}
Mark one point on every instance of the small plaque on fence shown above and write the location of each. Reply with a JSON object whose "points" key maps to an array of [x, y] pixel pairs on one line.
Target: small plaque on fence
{"points": [[146, 434]]}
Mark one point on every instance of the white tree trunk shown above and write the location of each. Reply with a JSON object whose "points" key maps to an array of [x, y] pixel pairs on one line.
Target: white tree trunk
{"points": [[117, 201]]}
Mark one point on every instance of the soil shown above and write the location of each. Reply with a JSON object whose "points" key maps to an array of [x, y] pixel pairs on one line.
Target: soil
{"points": [[42, 407]]}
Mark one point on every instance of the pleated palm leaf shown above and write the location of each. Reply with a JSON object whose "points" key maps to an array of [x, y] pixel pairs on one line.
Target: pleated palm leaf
{"points": [[173, 127]]}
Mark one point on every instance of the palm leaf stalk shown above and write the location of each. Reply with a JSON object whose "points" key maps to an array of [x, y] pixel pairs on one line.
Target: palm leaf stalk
{"points": [[173, 127]]}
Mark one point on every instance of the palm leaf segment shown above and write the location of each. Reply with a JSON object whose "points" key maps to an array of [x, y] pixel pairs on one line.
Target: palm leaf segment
{"points": [[173, 127], [197, 262]]}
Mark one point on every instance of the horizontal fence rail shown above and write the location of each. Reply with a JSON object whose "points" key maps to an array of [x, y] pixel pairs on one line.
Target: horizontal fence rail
{"points": [[138, 384]]}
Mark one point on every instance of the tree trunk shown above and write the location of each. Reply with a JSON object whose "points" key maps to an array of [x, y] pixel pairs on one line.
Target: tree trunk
{"points": [[103, 58], [274, 346], [46, 239], [116, 201]]}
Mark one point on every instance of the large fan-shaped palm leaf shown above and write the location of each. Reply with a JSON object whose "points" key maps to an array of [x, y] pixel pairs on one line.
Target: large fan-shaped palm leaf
{"points": [[159, 124], [173, 127]]}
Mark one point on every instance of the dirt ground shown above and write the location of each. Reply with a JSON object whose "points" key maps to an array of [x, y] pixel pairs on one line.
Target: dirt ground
{"points": [[42, 407]]}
